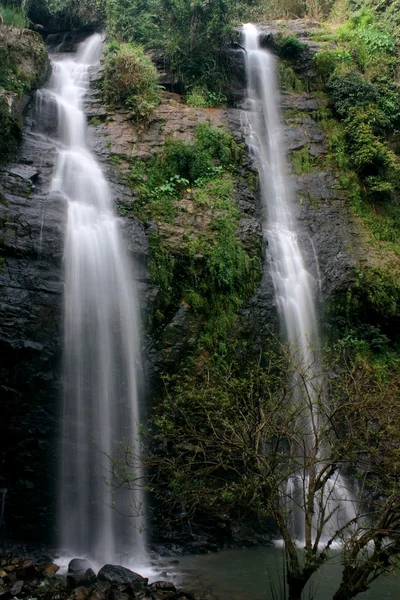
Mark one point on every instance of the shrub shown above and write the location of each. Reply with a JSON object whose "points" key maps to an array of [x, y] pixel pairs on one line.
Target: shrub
{"points": [[329, 62], [136, 20], [199, 97], [196, 98], [290, 48], [130, 80], [345, 92]]}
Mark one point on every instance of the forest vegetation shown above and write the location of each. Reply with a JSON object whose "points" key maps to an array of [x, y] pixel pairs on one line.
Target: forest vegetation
{"points": [[213, 411]]}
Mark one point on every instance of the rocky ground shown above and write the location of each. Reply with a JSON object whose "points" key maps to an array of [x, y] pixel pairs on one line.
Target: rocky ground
{"points": [[27, 578]]}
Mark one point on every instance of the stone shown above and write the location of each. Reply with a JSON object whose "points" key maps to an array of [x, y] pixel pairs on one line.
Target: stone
{"points": [[80, 593], [117, 575], [100, 591], [90, 575], [51, 570], [166, 586], [26, 570], [17, 588], [79, 565], [26, 172]]}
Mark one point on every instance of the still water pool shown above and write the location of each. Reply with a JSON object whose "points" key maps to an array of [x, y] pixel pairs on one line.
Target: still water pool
{"points": [[249, 573]]}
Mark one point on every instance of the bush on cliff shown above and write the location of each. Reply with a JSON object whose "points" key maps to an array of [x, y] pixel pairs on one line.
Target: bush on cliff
{"points": [[130, 80]]}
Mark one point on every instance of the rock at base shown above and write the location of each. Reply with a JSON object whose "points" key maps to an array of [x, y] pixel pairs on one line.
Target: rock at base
{"points": [[117, 575]]}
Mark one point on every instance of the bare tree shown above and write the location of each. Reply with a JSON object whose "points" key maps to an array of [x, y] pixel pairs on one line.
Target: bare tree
{"points": [[319, 455]]}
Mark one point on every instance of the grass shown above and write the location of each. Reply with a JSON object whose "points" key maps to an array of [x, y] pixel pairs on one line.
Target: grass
{"points": [[14, 17]]}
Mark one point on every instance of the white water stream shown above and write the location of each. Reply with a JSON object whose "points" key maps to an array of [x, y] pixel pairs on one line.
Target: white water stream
{"points": [[294, 285], [101, 362]]}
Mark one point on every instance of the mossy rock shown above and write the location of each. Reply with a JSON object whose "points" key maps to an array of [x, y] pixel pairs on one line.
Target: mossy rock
{"points": [[23, 66]]}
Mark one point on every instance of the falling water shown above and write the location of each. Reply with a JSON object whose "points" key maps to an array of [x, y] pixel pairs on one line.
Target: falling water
{"points": [[101, 351], [294, 285]]}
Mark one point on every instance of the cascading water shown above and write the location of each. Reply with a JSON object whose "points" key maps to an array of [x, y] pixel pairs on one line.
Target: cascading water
{"points": [[294, 285], [101, 362]]}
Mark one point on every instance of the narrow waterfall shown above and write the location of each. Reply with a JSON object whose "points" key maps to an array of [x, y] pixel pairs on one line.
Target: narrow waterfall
{"points": [[294, 285], [101, 365]]}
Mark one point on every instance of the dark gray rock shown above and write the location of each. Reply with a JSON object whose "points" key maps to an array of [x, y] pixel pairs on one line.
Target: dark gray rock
{"points": [[79, 565], [117, 575]]}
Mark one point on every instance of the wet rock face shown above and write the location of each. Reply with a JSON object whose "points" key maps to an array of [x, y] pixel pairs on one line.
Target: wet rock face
{"points": [[32, 224], [326, 226]]}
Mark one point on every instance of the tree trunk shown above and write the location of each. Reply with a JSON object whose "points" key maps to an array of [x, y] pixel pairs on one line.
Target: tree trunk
{"points": [[345, 593], [296, 586]]}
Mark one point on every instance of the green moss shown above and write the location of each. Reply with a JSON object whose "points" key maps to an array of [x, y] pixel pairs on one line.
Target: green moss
{"points": [[288, 80], [95, 121], [22, 64], [217, 193], [164, 179], [10, 132], [209, 269], [302, 161]]}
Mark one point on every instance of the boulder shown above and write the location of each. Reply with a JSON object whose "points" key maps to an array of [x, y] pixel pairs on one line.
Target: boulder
{"points": [[117, 575], [79, 565]]}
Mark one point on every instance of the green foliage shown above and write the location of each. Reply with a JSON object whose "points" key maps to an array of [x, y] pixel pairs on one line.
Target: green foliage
{"points": [[358, 78], [66, 14], [368, 155], [22, 63], [291, 48], [130, 80], [288, 80], [162, 179], [13, 16], [350, 90], [328, 62], [10, 132], [210, 269], [196, 98], [161, 266], [188, 36], [201, 418], [199, 97], [302, 161], [363, 319], [385, 12], [135, 20]]}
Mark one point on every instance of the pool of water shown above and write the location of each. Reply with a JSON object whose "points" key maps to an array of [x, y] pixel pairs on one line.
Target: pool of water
{"points": [[251, 573]]}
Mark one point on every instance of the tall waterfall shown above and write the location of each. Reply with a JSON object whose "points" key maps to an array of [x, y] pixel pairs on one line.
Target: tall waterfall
{"points": [[293, 284], [101, 364]]}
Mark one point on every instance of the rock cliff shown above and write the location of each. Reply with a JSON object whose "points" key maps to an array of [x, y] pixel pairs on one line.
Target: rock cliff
{"points": [[32, 224]]}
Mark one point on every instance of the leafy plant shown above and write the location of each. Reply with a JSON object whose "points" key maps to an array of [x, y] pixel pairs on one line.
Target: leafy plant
{"points": [[291, 48], [130, 79]]}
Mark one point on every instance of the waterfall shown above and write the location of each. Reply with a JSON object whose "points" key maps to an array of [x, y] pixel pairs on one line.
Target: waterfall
{"points": [[293, 284], [101, 357]]}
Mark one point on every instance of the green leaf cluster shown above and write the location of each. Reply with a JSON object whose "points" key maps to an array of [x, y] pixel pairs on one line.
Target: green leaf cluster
{"points": [[131, 80], [359, 78]]}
